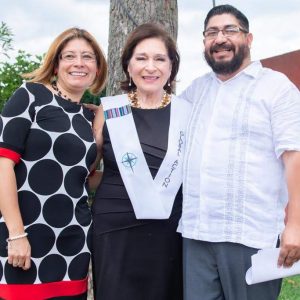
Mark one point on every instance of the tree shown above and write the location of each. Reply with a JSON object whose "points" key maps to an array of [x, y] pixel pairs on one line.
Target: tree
{"points": [[125, 15], [10, 73], [5, 39]]}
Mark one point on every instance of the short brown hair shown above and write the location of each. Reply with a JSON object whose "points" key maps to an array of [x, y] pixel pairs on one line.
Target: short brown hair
{"points": [[46, 72], [147, 31]]}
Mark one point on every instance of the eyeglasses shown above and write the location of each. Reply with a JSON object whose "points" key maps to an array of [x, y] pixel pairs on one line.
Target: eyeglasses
{"points": [[71, 57], [228, 31]]}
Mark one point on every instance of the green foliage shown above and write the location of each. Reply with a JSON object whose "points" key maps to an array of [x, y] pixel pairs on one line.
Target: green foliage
{"points": [[10, 73], [89, 98]]}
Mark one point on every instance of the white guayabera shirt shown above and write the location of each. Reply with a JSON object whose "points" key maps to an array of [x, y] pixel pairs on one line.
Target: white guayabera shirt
{"points": [[234, 186]]}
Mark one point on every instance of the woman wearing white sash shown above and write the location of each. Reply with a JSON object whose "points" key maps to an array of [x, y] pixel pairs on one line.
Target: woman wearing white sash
{"points": [[137, 206]]}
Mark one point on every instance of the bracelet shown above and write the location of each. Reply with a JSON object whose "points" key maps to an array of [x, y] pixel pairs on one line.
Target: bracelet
{"points": [[16, 237]]}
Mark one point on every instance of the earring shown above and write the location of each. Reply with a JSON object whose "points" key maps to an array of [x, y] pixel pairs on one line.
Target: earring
{"points": [[129, 84], [54, 76], [169, 84]]}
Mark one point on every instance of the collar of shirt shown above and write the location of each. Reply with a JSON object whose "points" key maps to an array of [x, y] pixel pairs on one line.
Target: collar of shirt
{"points": [[251, 70]]}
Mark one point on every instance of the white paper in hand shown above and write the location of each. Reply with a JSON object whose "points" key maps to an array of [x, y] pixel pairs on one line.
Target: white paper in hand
{"points": [[264, 267]]}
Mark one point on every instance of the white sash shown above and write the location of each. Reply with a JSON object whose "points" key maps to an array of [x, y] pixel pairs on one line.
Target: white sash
{"points": [[150, 198]]}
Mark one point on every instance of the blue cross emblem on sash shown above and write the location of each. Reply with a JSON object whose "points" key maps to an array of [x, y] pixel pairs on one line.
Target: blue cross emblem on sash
{"points": [[129, 160]]}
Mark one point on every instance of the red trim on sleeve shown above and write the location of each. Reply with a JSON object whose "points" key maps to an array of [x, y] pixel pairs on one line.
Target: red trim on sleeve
{"points": [[43, 291], [10, 154]]}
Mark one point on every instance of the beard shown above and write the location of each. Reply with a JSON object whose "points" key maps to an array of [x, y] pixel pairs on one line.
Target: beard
{"points": [[227, 67]]}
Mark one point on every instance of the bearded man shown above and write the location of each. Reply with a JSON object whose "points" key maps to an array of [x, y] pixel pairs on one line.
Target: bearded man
{"points": [[242, 167]]}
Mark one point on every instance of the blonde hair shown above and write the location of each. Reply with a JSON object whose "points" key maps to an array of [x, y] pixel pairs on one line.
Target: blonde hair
{"points": [[46, 72]]}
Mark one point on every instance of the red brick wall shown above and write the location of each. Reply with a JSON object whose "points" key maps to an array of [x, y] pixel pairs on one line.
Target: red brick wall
{"points": [[288, 63]]}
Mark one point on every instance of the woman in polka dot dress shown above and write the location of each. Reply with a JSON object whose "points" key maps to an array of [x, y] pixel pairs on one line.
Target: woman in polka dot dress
{"points": [[46, 153]]}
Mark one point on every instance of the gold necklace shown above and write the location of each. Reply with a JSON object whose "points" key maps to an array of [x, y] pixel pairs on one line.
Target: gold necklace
{"points": [[134, 101]]}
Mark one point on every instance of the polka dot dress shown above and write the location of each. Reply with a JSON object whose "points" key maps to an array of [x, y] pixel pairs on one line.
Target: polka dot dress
{"points": [[54, 139]]}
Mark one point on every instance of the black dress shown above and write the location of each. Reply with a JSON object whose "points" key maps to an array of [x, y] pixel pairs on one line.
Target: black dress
{"points": [[135, 259], [55, 141]]}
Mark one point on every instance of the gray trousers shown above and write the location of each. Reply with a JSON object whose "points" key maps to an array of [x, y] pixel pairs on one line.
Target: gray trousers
{"points": [[216, 271]]}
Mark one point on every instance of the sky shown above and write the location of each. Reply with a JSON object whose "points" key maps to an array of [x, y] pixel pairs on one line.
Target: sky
{"points": [[35, 23]]}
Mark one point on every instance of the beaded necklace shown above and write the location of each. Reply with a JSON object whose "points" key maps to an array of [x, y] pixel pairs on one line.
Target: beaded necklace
{"points": [[134, 101], [59, 93]]}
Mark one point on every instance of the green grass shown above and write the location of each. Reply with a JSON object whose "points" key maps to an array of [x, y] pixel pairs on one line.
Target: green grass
{"points": [[290, 288]]}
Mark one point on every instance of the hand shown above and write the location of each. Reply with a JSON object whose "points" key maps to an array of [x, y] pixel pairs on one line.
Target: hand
{"points": [[91, 107], [19, 253], [290, 246]]}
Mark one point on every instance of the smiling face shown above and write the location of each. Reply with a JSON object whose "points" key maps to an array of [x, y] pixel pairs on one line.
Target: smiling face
{"points": [[77, 67], [150, 67], [227, 55]]}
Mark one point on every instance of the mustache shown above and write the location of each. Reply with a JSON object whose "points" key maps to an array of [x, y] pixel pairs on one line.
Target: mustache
{"points": [[221, 47]]}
